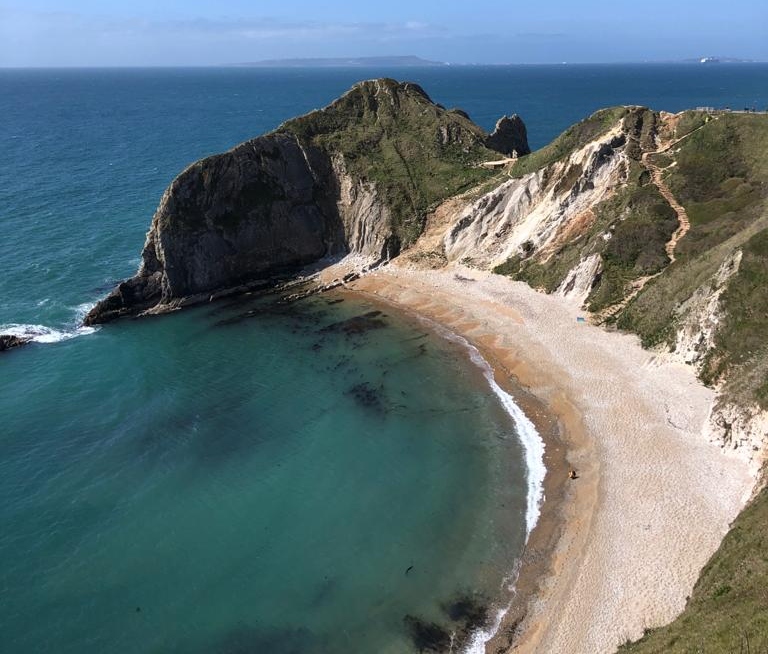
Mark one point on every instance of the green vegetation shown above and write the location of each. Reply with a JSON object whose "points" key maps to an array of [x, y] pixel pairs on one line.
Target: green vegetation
{"points": [[639, 221], [572, 139], [741, 341], [720, 178], [637, 245], [392, 134], [719, 173], [728, 609]]}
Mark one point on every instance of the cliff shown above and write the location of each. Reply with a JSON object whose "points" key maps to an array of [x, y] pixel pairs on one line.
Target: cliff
{"points": [[656, 224], [355, 177]]}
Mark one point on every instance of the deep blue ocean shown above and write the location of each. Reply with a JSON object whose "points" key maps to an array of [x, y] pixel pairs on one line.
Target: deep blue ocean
{"points": [[246, 476]]}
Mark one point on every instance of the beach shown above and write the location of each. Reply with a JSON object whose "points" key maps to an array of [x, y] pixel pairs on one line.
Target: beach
{"points": [[618, 549]]}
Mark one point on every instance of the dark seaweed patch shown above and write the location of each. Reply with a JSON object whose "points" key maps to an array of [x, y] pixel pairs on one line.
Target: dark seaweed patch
{"points": [[369, 396], [466, 613], [427, 636], [299, 314], [356, 325], [469, 611]]}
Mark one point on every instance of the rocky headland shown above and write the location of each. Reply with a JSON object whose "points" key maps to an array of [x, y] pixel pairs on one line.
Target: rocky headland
{"points": [[357, 177]]}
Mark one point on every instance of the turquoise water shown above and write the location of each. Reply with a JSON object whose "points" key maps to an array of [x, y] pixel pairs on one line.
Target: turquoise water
{"points": [[192, 485], [209, 482]]}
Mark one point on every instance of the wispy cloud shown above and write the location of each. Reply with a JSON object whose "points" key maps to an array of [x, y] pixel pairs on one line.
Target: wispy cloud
{"points": [[77, 39]]}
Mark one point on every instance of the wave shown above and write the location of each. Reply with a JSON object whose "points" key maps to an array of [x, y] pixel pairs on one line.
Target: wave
{"points": [[44, 334], [533, 449], [533, 445]]}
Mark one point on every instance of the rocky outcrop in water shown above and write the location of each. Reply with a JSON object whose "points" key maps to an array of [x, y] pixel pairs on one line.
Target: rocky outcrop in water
{"points": [[9, 341], [356, 177]]}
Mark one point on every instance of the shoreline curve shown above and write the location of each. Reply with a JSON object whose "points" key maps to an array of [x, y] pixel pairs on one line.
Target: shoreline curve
{"points": [[629, 421]]}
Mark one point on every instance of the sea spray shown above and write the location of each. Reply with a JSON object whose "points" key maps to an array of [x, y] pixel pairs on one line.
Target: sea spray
{"points": [[44, 334]]}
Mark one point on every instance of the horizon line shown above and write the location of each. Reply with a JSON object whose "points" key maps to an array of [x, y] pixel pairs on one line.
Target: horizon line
{"points": [[277, 65]]}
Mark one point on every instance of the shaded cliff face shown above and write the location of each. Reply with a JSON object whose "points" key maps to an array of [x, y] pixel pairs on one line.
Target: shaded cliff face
{"points": [[509, 137], [228, 220], [358, 176]]}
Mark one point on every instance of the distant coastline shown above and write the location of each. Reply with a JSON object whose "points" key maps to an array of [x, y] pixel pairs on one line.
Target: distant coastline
{"points": [[412, 61], [408, 61]]}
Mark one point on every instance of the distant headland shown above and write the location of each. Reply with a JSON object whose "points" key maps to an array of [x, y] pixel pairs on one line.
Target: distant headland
{"points": [[408, 61]]}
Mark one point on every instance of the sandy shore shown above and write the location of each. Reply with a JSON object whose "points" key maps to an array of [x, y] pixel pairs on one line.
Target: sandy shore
{"points": [[618, 549]]}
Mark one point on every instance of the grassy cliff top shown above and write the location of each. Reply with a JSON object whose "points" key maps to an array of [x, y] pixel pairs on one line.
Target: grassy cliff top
{"points": [[392, 134]]}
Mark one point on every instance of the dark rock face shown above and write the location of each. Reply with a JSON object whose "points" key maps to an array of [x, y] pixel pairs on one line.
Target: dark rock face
{"points": [[230, 219], [509, 136], [8, 341]]}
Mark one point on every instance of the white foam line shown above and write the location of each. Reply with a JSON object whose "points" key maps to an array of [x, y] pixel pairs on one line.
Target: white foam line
{"points": [[533, 448], [533, 445], [43, 334]]}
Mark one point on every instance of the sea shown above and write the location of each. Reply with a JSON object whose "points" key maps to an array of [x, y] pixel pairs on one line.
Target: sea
{"points": [[324, 476]]}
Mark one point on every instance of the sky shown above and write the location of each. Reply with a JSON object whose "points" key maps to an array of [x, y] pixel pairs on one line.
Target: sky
{"points": [[194, 33]]}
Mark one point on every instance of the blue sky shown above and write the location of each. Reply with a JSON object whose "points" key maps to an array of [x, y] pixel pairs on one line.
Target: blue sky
{"points": [[192, 32]]}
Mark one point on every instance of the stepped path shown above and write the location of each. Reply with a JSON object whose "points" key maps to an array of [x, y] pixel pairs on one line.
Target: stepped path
{"points": [[657, 177]]}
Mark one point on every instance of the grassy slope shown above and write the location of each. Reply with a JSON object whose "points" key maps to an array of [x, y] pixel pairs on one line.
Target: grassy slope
{"points": [[416, 152], [728, 610], [572, 139], [721, 177]]}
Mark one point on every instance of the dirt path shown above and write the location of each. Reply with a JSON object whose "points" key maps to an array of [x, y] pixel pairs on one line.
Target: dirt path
{"points": [[657, 177]]}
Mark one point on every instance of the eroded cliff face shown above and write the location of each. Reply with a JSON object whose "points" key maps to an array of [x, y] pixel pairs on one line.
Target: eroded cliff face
{"points": [[366, 219], [533, 214], [228, 220], [701, 314], [621, 224]]}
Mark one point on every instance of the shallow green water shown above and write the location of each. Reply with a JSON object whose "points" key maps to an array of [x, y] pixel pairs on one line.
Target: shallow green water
{"points": [[204, 483]]}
